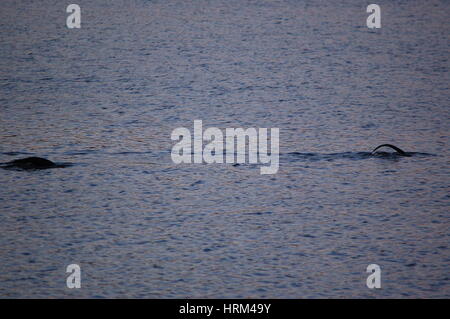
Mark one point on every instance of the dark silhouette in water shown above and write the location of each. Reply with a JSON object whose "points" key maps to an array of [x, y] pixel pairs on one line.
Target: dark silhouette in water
{"points": [[34, 163], [398, 150], [31, 163]]}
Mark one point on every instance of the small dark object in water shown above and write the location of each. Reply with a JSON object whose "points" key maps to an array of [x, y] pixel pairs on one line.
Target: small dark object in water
{"points": [[398, 150], [31, 163]]}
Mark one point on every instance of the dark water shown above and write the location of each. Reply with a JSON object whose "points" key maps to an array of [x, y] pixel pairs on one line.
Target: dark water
{"points": [[106, 98]]}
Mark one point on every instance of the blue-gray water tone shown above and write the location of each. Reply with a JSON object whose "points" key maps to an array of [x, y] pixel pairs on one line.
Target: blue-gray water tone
{"points": [[106, 98]]}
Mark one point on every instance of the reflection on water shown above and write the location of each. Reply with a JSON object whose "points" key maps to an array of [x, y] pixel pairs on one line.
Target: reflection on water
{"points": [[107, 96]]}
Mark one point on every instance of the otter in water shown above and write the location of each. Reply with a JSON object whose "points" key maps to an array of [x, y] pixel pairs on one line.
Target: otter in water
{"points": [[31, 163], [398, 150]]}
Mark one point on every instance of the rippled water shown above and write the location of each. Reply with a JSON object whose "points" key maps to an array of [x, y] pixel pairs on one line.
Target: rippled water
{"points": [[106, 98]]}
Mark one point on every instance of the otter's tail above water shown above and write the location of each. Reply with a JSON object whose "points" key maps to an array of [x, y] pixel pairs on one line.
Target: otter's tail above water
{"points": [[398, 150]]}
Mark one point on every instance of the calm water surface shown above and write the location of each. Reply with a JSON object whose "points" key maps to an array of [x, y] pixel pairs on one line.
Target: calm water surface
{"points": [[106, 98]]}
